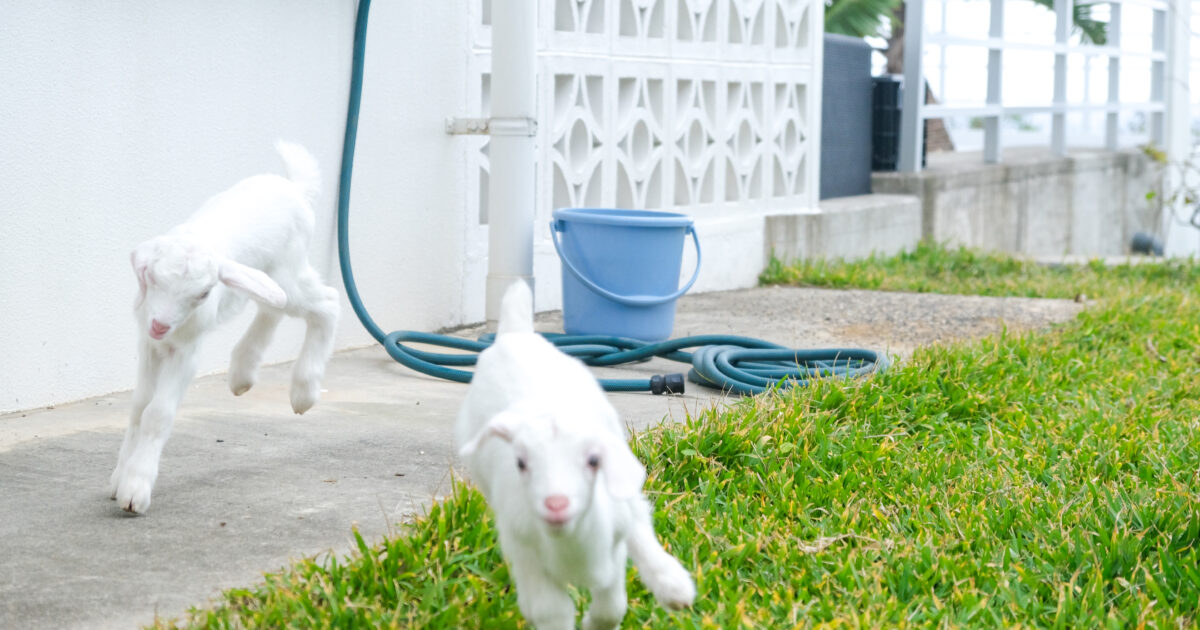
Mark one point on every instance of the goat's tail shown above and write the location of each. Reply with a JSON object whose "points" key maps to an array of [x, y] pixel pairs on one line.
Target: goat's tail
{"points": [[516, 309], [301, 168]]}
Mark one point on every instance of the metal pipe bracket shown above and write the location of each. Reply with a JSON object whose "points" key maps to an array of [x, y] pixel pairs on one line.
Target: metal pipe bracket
{"points": [[519, 126]]}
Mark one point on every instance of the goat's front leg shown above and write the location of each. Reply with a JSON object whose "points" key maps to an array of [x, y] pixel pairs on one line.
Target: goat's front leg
{"points": [[545, 603], [154, 427], [143, 391], [661, 573], [609, 601], [243, 365]]}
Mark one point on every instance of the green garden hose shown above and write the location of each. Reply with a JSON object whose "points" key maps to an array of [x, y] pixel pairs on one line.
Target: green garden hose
{"points": [[742, 365]]}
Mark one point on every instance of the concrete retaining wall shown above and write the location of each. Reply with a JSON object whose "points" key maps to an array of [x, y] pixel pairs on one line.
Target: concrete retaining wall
{"points": [[1087, 203], [847, 227]]}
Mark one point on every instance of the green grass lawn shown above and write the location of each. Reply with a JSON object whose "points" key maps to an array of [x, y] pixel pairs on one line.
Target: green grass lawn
{"points": [[936, 269], [1044, 479]]}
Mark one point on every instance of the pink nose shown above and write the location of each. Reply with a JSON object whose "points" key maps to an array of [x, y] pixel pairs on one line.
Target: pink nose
{"points": [[158, 329], [557, 503]]}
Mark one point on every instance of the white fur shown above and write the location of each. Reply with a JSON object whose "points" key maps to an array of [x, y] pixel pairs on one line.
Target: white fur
{"points": [[529, 401], [250, 241]]}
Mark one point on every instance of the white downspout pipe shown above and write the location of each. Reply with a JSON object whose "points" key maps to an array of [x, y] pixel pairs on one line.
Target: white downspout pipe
{"points": [[912, 123], [511, 180], [1178, 240]]}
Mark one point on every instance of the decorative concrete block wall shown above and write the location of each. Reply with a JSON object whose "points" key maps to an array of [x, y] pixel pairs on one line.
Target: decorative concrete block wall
{"points": [[706, 107]]}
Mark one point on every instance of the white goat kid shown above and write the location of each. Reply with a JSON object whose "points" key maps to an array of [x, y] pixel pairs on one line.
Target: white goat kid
{"points": [[564, 486], [249, 241]]}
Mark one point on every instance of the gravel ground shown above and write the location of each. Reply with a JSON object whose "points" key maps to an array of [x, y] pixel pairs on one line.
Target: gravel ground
{"points": [[896, 323]]}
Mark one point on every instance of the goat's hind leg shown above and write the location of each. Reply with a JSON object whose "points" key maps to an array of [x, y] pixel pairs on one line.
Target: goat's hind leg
{"points": [[247, 354], [318, 305]]}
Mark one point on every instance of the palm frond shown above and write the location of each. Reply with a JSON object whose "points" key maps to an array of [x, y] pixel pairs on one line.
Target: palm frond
{"points": [[1091, 30], [857, 18]]}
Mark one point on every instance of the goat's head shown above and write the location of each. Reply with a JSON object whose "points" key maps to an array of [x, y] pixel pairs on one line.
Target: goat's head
{"points": [[177, 276], [560, 463]]}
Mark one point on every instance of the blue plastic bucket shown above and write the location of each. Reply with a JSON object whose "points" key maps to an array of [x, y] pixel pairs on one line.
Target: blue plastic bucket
{"points": [[621, 270]]}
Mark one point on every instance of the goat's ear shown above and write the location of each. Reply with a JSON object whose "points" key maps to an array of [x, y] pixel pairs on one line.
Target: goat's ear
{"points": [[252, 282], [139, 259], [502, 425], [623, 472]]}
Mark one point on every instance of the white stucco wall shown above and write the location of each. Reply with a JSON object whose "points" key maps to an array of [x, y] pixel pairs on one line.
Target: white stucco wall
{"points": [[118, 119]]}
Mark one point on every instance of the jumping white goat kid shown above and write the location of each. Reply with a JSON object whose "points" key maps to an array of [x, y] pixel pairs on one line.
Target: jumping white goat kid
{"points": [[250, 241], [546, 448]]}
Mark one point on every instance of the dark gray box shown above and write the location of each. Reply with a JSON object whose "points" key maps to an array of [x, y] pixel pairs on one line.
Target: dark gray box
{"points": [[846, 117]]}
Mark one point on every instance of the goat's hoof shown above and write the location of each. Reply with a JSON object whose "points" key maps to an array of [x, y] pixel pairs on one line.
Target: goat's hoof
{"points": [[593, 621], [300, 404], [113, 483], [133, 495], [239, 384], [673, 587], [304, 396]]}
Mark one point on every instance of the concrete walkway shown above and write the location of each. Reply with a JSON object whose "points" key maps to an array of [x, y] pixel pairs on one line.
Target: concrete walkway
{"points": [[245, 485]]}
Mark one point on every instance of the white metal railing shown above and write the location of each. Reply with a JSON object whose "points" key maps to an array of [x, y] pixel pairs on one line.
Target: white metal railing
{"points": [[915, 111]]}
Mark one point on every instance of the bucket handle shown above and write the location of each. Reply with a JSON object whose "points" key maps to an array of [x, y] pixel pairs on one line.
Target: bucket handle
{"points": [[627, 300]]}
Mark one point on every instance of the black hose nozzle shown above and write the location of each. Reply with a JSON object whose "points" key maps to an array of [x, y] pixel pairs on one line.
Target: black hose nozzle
{"points": [[666, 384]]}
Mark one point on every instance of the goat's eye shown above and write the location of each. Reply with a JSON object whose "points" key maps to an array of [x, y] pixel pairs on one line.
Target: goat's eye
{"points": [[521, 464], [594, 461], [203, 295]]}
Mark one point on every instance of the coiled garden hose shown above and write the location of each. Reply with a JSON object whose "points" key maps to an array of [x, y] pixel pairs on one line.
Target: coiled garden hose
{"points": [[742, 365]]}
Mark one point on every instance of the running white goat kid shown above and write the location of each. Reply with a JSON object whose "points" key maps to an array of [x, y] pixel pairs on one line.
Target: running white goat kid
{"points": [[546, 448], [250, 241]]}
